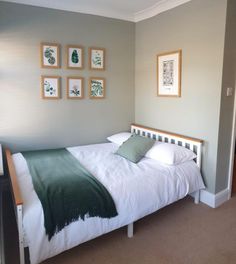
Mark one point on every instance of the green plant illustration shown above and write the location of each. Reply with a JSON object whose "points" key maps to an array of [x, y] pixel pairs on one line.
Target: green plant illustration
{"points": [[97, 89], [97, 60], [49, 89], [75, 56], [48, 53], [75, 91]]}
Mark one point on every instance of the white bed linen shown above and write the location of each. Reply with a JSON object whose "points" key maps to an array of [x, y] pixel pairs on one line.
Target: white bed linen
{"points": [[137, 190]]}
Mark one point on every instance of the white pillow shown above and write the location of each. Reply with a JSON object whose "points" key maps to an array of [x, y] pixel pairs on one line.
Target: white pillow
{"points": [[119, 138], [170, 153]]}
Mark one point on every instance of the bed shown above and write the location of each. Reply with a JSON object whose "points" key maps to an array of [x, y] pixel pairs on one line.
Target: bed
{"points": [[137, 189]]}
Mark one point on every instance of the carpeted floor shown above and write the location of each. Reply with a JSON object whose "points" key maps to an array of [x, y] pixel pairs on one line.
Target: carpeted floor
{"points": [[182, 233]]}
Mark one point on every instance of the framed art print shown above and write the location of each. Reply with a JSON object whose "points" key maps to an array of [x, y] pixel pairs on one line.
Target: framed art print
{"points": [[50, 55], [169, 74], [97, 88], [75, 87], [75, 57], [50, 86], [97, 59]]}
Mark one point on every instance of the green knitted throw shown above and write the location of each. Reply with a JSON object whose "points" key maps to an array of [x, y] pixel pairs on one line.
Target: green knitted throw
{"points": [[67, 191]]}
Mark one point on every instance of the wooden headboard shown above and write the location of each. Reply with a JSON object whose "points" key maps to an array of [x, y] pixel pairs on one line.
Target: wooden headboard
{"points": [[188, 142]]}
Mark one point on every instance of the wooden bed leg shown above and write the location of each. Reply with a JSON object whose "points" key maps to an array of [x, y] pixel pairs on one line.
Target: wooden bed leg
{"points": [[130, 230], [20, 231], [197, 197]]}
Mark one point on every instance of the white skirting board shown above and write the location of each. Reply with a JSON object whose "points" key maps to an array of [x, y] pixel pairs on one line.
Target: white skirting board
{"points": [[214, 200]]}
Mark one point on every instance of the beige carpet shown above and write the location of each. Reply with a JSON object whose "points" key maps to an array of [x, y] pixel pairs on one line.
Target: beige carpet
{"points": [[180, 233]]}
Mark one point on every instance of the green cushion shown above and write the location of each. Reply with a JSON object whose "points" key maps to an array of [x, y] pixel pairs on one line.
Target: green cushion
{"points": [[135, 148]]}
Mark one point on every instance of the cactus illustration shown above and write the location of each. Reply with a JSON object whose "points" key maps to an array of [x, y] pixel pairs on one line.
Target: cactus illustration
{"points": [[74, 56]]}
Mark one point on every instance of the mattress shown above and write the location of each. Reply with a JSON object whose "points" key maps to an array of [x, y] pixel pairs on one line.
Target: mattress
{"points": [[137, 190]]}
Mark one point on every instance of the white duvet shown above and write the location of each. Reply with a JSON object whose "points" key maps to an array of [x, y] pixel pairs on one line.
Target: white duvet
{"points": [[137, 190]]}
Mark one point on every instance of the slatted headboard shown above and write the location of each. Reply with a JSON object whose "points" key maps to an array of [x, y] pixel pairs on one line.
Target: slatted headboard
{"points": [[188, 142]]}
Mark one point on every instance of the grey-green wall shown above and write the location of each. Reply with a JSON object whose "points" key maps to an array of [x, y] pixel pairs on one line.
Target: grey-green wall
{"points": [[227, 103], [27, 121], [198, 28]]}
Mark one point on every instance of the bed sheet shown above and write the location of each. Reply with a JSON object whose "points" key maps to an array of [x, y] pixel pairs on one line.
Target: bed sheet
{"points": [[137, 190]]}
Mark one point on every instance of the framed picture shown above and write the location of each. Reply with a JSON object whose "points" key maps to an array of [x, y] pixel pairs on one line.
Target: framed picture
{"points": [[50, 86], [97, 59], [75, 87], [75, 57], [50, 55], [169, 74], [97, 88]]}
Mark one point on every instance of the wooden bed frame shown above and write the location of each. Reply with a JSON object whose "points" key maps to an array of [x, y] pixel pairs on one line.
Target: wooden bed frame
{"points": [[191, 143]]}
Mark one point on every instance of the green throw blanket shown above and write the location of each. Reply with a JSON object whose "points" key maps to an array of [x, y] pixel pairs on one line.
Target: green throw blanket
{"points": [[67, 191]]}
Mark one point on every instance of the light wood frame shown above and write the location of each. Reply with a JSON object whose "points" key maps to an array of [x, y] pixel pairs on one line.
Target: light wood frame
{"points": [[18, 203], [188, 142], [55, 45], [68, 87], [177, 75], [68, 47], [90, 87], [91, 50], [43, 77]]}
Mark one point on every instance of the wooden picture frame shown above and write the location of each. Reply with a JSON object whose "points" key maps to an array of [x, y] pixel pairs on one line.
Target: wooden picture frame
{"points": [[49, 53], [97, 59], [97, 88], [75, 87], [169, 74], [50, 87], [75, 57]]}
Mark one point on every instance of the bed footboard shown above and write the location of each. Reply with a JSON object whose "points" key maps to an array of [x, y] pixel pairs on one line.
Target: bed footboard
{"points": [[18, 203]]}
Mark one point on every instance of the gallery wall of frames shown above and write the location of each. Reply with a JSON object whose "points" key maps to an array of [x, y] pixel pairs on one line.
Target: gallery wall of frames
{"points": [[51, 84]]}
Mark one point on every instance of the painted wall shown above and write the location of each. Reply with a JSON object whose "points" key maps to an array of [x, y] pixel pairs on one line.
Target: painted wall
{"points": [[198, 28], [227, 103], [27, 121]]}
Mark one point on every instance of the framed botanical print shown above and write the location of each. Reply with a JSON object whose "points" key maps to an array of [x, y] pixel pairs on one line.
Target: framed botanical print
{"points": [[75, 87], [169, 74], [97, 88], [50, 55], [97, 59], [50, 87], [75, 57]]}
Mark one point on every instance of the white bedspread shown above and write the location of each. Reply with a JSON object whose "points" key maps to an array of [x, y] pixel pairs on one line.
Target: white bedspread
{"points": [[137, 190]]}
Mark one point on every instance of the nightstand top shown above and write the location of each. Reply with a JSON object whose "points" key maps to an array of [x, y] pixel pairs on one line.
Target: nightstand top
{"points": [[1, 162]]}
